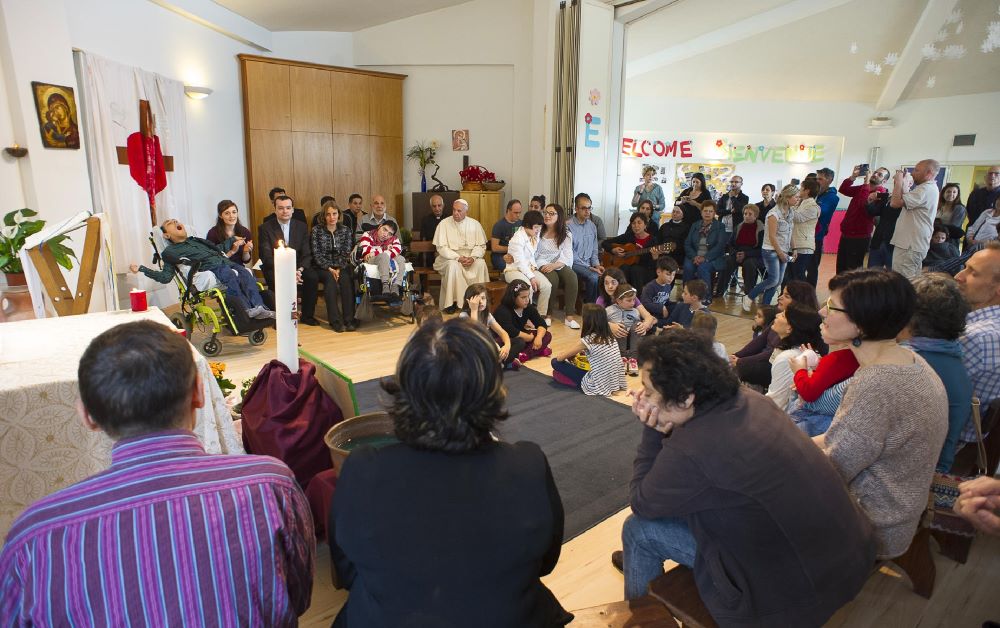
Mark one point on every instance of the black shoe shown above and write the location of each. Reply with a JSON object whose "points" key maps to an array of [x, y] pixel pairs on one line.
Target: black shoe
{"points": [[618, 560], [451, 309], [309, 320], [350, 326], [337, 327]]}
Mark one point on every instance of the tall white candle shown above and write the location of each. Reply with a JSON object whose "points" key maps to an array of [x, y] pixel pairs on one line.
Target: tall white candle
{"points": [[286, 308]]}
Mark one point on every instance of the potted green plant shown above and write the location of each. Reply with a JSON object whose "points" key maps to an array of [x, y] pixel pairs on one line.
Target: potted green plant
{"points": [[424, 155], [17, 226]]}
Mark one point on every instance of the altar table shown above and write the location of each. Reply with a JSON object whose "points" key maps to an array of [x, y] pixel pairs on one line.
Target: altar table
{"points": [[43, 445]]}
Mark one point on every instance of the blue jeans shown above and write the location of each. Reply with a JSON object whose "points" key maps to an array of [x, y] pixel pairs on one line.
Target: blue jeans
{"points": [[649, 542], [880, 256], [802, 268], [569, 371], [703, 270], [775, 271], [498, 263], [239, 284], [589, 279]]}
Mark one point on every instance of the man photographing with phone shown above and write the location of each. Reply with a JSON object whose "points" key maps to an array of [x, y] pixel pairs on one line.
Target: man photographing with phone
{"points": [[856, 228], [917, 194]]}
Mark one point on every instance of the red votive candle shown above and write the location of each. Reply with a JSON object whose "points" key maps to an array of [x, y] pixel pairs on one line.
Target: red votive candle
{"points": [[138, 299]]}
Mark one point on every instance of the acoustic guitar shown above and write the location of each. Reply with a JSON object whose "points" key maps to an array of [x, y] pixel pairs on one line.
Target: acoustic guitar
{"points": [[633, 253]]}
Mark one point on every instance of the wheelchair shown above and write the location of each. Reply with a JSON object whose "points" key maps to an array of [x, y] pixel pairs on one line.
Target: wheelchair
{"points": [[205, 306], [369, 292]]}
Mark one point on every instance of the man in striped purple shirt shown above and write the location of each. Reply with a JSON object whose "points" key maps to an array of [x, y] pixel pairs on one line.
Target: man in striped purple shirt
{"points": [[168, 535]]}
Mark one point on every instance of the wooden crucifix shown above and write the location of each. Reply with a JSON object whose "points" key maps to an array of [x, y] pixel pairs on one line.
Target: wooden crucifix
{"points": [[147, 164]]}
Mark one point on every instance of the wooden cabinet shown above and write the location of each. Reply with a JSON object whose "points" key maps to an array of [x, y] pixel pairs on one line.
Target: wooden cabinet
{"points": [[486, 207], [316, 130]]}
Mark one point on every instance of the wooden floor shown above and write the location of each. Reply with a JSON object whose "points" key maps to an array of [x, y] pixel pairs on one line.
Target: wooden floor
{"points": [[965, 595]]}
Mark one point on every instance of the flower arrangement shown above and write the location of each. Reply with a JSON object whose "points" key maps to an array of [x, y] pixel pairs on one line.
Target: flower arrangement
{"points": [[423, 154], [477, 174], [16, 229], [218, 371]]}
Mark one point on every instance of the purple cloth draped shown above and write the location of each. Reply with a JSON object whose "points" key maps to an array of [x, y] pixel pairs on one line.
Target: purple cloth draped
{"points": [[287, 416]]}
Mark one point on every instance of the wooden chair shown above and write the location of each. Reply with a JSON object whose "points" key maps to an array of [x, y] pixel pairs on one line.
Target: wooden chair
{"points": [[679, 593], [646, 612]]}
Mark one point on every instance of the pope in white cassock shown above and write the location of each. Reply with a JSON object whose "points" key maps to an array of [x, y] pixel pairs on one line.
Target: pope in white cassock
{"points": [[461, 246]]}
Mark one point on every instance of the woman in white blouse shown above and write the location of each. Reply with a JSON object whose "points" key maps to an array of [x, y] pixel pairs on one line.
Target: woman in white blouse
{"points": [[522, 247], [554, 259]]}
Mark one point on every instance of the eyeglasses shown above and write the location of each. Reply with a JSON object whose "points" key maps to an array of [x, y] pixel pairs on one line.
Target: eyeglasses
{"points": [[587, 207], [551, 213], [831, 308]]}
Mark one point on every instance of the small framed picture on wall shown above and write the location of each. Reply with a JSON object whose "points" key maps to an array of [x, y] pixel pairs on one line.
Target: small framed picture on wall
{"points": [[460, 139]]}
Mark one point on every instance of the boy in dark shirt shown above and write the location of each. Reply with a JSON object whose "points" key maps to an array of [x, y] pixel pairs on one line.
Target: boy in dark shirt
{"points": [[656, 294], [682, 314]]}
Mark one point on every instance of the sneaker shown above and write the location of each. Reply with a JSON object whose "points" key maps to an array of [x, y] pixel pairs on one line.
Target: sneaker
{"points": [[268, 313], [255, 312], [546, 352], [515, 365], [522, 357], [747, 302], [572, 324], [633, 367], [618, 560], [548, 322]]}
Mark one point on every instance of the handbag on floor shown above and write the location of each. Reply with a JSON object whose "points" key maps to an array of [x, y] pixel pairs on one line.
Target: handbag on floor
{"points": [[940, 513]]}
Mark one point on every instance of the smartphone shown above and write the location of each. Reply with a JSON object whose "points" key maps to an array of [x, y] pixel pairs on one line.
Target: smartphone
{"points": [[863, 169]]}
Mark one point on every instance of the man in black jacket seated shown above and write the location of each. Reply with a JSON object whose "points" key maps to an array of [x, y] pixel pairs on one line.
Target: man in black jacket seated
{"points": [[725, 484], [295, 235]]}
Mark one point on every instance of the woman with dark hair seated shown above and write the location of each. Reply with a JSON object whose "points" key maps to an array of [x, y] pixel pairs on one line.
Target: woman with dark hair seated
{"points": [[933, 331], [331, 241], [797, 325], [228, 225], [744, 252], [738, 494], [705, 248], [752, 361], [887, 434], [642, 269], [449, 527]]}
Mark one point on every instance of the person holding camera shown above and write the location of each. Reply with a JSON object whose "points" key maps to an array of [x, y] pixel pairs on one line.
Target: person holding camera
{"points": [[917, 195], [856, 229]]}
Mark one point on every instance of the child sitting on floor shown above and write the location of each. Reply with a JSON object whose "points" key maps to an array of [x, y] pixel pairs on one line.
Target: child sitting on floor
{"points": [[820, 384], [763, 318], [607, 371], [692, 299], [476, 307], [520, 319], [635, 319], [656, 294], [706, 325]]}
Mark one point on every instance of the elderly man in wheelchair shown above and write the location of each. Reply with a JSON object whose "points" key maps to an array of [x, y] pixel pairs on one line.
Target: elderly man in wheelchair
{"points": [[189, 250]]}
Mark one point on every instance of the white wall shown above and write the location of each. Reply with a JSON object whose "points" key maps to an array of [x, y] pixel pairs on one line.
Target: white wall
{"points": [[469, 66], [11, 193], [197, 55]]}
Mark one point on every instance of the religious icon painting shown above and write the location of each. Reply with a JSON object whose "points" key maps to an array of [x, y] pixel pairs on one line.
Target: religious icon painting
{"points": [[57, 121], [460, 139]]}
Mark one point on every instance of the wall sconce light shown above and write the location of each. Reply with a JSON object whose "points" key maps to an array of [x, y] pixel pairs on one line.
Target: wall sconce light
{"points": [[16, 151], [197, 93]]}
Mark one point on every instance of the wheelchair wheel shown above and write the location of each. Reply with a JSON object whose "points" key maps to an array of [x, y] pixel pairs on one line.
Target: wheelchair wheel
{"points": [[181, 322], [257, 337], [212, 347]]}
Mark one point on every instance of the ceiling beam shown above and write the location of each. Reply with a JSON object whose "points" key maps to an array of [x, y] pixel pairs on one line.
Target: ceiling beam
{"points": [[777, 17], [927, 27], [221, 20], [632, 11]]}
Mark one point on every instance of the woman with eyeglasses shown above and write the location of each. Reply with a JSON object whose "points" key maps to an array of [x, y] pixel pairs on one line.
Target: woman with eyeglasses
{"points": [[887, 434], [554, 259]]}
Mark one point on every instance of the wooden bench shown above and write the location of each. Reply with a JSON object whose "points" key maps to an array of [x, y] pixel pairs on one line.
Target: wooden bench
{"points": [[677, 590], [646, 612]]}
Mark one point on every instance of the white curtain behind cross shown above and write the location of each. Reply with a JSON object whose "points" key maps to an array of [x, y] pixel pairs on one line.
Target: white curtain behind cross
{"points": [[110, 113]]}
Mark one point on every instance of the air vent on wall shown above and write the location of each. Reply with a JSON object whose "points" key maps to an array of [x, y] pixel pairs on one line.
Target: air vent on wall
{"points": [[965, 140]]}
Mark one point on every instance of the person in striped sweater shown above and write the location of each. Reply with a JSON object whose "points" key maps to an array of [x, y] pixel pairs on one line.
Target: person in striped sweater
{"points": [[168, 535]]}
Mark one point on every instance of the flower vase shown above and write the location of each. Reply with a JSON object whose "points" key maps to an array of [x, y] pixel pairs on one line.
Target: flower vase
{"points": [[423, 181]]}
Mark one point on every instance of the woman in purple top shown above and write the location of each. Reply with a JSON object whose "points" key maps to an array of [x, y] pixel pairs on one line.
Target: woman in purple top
{"points": [[228, 225]]}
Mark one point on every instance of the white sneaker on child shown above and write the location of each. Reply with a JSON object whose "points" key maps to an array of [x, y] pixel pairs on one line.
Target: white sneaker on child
{"points": [[572, 324]]}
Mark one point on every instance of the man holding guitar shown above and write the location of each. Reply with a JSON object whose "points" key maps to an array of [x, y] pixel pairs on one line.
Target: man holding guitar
{"points": [[635, 251]]}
